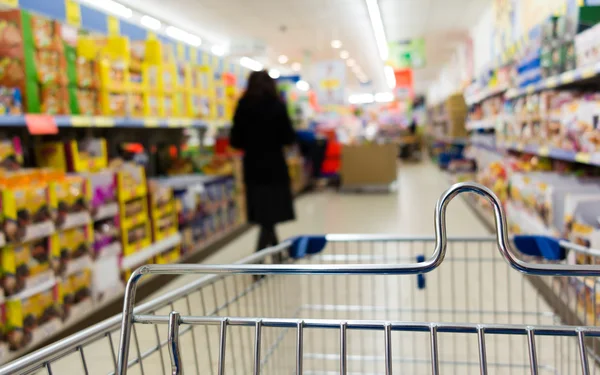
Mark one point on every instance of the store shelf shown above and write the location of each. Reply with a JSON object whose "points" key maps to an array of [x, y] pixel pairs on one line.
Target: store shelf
{"points": [[484, 124], [82, 312], [485, 94], [140, 257], [554, 153], [109, 122], [450, 140], [563, 79]]}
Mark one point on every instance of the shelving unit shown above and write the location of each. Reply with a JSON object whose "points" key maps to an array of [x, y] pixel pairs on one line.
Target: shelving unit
{"points": [[567, 78]]}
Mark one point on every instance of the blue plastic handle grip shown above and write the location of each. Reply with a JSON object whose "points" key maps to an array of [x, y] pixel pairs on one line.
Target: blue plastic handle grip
{"points": [[421, 277], [540, 246], [306, 245]]}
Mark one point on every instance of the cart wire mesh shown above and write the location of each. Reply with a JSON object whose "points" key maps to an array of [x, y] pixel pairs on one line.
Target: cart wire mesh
{"points": [[362, 305]]}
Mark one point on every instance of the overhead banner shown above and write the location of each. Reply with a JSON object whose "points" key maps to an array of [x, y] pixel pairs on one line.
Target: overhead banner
{"points": [[330, 78], [407, 53], [404, 84]]}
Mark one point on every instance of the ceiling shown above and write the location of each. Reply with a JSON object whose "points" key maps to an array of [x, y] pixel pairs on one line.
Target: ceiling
{"points": [[303, 29]]}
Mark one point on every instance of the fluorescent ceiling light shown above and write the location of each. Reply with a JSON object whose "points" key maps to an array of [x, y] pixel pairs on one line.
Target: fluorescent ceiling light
{"points": [[377, 24], [248, 63], [336, 44], [344, 55], [384, 97], [390, 77], [282, 59], [274, 73], [183, 36], [150, 22], [112, 7], [296, 67], [302, 85], [218, 50], [361, 98], [350, 62]]}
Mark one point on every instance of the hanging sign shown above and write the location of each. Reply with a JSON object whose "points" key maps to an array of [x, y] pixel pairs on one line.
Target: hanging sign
{"points": [[407, 53], [404, 84], [330, 78]]}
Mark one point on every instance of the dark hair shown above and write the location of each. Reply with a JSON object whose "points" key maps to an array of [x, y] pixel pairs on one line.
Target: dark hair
{"points": [[260, 86]]}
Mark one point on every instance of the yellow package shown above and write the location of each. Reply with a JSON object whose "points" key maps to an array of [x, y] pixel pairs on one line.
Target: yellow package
{"points": [[21, 320], [25, 201], [81, 285], [15, 268], [169, 256]]}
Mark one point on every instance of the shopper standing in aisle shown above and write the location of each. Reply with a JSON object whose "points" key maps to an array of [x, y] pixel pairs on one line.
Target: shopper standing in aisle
{"points": [[261, 129]]}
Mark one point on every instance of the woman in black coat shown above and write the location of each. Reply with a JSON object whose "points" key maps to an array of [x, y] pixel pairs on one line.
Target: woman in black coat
{"points": [[261, 128]]}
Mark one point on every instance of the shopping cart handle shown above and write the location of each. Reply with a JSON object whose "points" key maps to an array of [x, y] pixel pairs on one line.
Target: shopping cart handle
{"points": [[540, 246], [306, 245]]}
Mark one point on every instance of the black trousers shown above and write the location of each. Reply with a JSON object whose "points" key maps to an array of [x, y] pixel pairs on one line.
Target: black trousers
{"points": [[267, 237]]}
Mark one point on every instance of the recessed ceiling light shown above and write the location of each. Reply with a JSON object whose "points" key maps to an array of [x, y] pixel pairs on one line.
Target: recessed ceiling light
{"points": [[344, 55], [217, 50], [296, 66], [150, 22], [274, 73], [336, 44], [302, 85], [350, 62], [282, 59]]}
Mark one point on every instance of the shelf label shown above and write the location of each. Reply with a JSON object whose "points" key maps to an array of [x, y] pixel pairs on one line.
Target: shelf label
{"points": [[568, 77], [73, 13], [151, 122], [104, 122], [588, 73], [543, 151], [551, 82], [582, 157], [41, 124]]}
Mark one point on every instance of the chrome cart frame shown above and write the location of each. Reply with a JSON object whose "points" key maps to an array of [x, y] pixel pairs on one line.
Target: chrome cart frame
{"points": [[363, 305]]}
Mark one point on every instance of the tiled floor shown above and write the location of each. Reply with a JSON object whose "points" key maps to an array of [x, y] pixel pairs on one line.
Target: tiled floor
{"points": [[474, 285]]}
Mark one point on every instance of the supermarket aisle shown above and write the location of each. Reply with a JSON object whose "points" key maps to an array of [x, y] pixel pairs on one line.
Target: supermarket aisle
{"points": [[473, 285], [408, 211]]}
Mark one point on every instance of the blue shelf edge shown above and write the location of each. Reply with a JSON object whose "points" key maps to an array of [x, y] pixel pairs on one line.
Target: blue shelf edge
{"points": [[109, 122]]}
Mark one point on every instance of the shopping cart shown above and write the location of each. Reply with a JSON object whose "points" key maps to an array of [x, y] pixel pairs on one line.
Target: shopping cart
{"points": [[346, 304]]}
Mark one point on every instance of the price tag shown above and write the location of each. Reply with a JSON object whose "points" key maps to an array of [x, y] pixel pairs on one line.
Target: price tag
{"points": [[582, 157], [551, 82], [114, 26], [104, 122], [151, 35], [81, 121], [10, 3], [73, 13], [588, 73], [41, 124], [568, 77], [151, 122], [543, 151]]}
